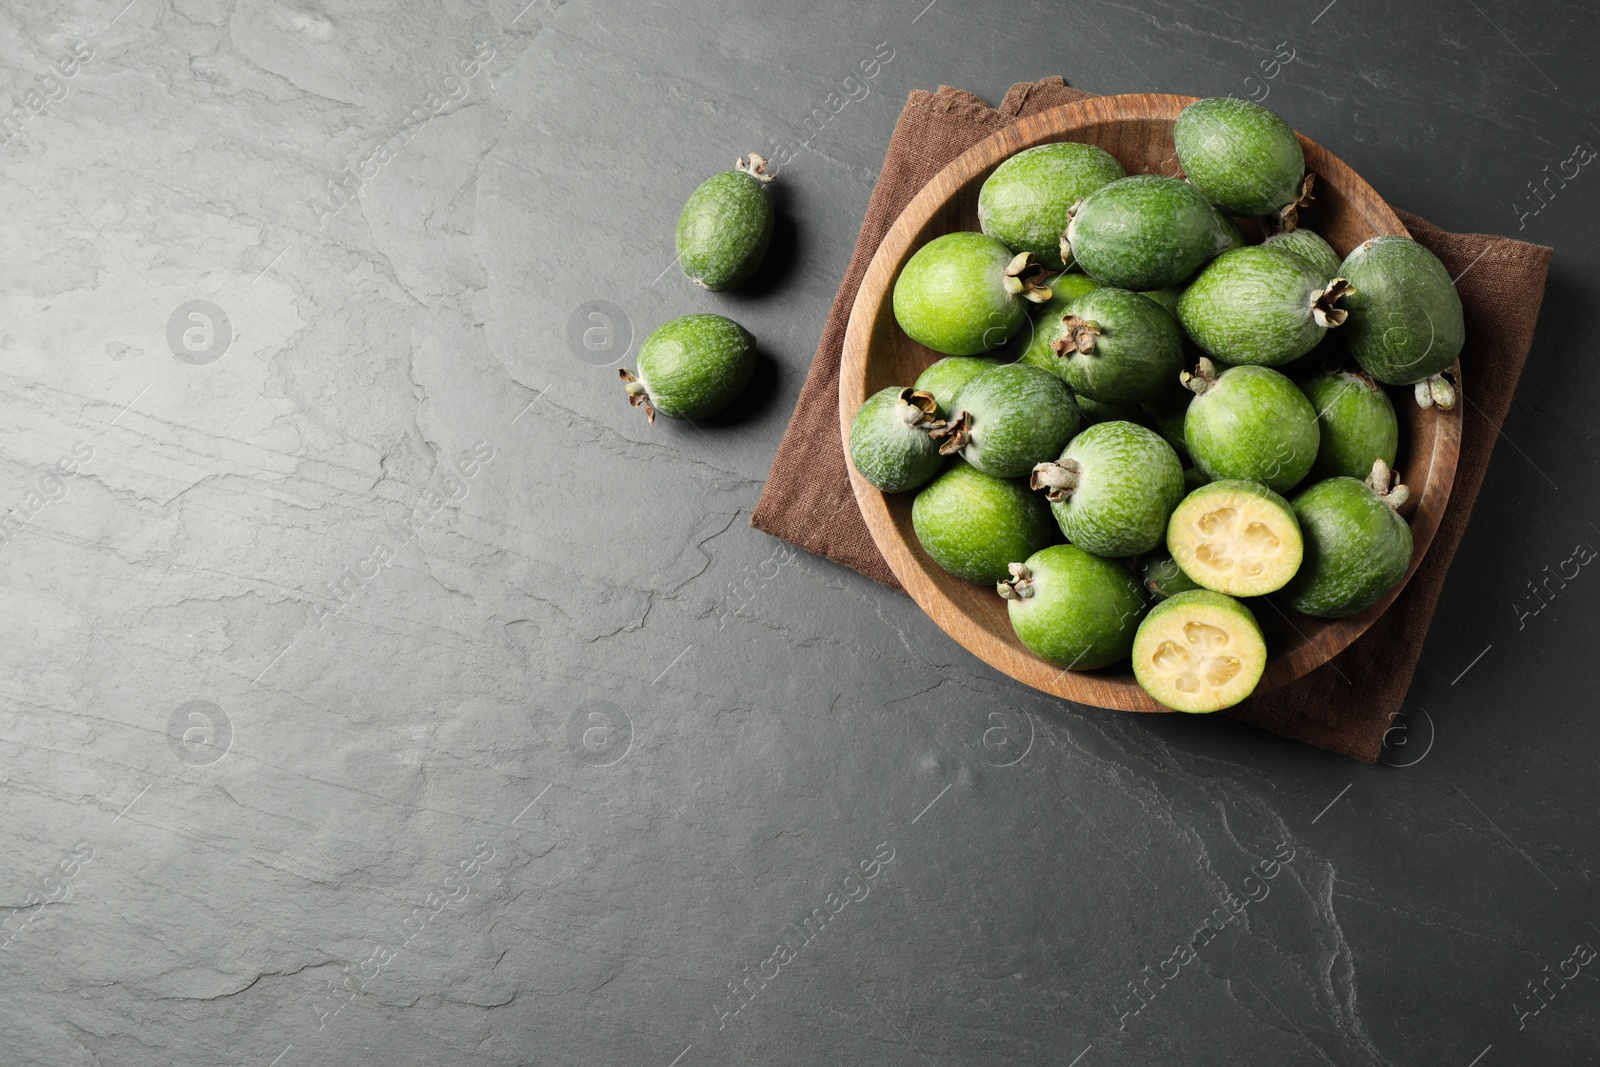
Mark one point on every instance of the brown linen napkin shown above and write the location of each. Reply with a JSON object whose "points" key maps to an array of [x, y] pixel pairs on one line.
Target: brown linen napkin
{"points": [[1344, 706]]}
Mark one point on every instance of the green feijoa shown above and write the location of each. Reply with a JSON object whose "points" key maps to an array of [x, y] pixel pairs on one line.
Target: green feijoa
{"points": [[1047, 318], [975, 525], [1199, 651], [1010, 418], [1250, 423], [1166, 413], [1073, 609], [890, 444], [1094, 411], [1163, 577], [945, 377], [1260, 305], [1241, 156], [691, 367], [1113, 488], [1405, 325], [1357, 424], [1357, 547], [1193, 479], [1118, 347], [1167, 298], [1146, 232], [1236, 537], [726, 225], [965, 293], [1309, 246], [1026, 202]]}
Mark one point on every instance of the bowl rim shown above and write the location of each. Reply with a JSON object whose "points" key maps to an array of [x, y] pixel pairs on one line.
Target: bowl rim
{"points": [[921, 578]]}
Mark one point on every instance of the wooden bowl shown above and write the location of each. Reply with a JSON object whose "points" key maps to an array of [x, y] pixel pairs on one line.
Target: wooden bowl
{"points": [[1137, 130]]}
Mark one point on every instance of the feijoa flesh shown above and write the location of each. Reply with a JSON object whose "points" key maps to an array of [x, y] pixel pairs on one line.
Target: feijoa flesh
{"points": [[1356, 423], [1357, 547], [1146, 232], [1250, 423], [964, 293], [1073, 609], [1406, 324], [725, 227], [1241, 156], [945, 377], [1008, 419], [1260, 305], [1236, 537], [1113, 488], [890, 445], [1116, 347], [975, 525], [1026, 202], [691, 367], [1199, 651]]}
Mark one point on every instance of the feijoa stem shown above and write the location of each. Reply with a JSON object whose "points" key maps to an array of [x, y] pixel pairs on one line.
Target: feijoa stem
{"points": [[1079, 336], [638, 396], [756, 166], [1379, 482], [1059, 476], [1288, 216], [1203, 378], [1436, 392], [1019, 586], [920, 410], [1065, 244], [954, 434], [1025, 276], [1325, 309]]}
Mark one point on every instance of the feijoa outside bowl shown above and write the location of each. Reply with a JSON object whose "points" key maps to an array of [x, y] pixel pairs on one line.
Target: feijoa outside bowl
{"points": [[1137, 130]]}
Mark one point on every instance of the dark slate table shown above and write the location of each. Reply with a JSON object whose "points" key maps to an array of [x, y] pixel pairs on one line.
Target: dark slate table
{"points": [[380, 689]]}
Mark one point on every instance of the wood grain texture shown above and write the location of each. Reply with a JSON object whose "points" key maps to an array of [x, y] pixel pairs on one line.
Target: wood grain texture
{"points": [[1137, 130]]}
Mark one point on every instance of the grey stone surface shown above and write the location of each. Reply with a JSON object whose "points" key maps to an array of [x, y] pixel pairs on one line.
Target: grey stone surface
{"points": [[575, 748]]}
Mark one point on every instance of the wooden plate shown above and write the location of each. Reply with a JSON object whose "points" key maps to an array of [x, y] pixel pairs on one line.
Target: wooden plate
{"points": [[1137, 130]]}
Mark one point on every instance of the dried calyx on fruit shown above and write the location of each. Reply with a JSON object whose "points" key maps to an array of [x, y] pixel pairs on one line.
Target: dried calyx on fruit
{"points": [[1386, 484], [1017, 587], [1025, 277], [1058, 478]]}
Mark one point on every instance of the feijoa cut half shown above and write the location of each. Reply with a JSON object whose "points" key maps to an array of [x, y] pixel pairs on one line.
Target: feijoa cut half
{"points": [[1117, 347], [1199, 651], [1261, 305], [1249, 423], [1146, 232], [1406, 325], [1026, 202], [964, 293], [691, 367], [1356, 422], [1243, 157], [1236, 537], [1113, 489], [1008, 419], [1073, 609], [725, 227], [1357, 546], [944, 378], [890, 442], [975, 525]]}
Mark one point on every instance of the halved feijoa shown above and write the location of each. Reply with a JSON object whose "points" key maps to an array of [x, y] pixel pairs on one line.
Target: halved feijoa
{"points": [[726, 226], [1008, 419], [1117, 347], [975, 525], [1113, 488], [1250, 423], [691, 367], [965, 293], [1163, 577], [945, 377], [1356, 421], [1026, 202], [1357, 545], [1261, 304], [1146, 232], [1199, 651], [1235, 537], [1406, 324], [1242, 156], [890, 444], [1073, 609]]}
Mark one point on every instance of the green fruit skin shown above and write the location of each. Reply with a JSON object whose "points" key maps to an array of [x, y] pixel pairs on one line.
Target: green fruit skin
{"points": [[1146, 232], [1163, 577], [975, 525], [1083, 611], [1405, 319], [1026, 202], [1065, 289], [1129, 480], [1094, 411], [1252, 305], [724, 230], [1167, 298], [886, 449], [1241, 156], [1309, 246], [1021, 416], [1254, 424], [1137, 355], [1356, 421], [695, 366], [950, 295], [945, 378], [1177, 602], [1356, 549]]}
